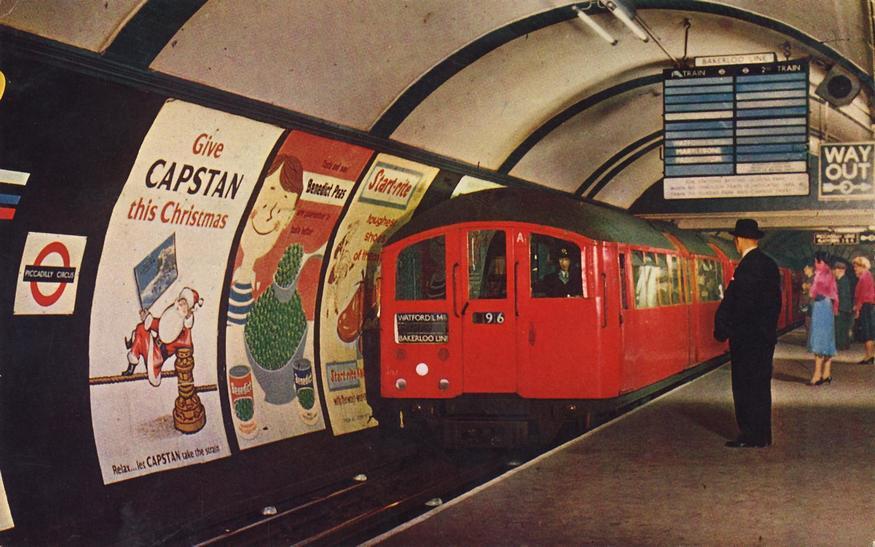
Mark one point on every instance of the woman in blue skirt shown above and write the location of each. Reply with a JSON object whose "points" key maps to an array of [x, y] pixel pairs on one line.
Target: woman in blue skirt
{"points": [[824, 307]]}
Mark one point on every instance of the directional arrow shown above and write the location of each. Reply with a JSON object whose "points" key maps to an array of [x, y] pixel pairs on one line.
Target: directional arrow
{"points": [[846, 187]]}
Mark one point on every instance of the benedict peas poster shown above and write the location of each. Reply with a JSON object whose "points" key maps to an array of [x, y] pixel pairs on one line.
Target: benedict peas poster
{"points": [[153, 343], [386, 197], [272, 299]]}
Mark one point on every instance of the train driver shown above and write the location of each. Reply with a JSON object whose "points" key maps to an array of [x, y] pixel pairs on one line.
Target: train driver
{"points": [[566, 280]]}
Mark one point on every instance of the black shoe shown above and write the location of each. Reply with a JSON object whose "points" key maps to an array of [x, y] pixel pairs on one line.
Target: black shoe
{"points": [[814, 382], [869, 361], [745, 444], [827, 380], [130, 370]]}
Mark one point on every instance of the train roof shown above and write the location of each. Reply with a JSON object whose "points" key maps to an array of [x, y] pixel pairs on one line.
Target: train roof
{"points": [[726, 246], [695, 242], [537, 207]]}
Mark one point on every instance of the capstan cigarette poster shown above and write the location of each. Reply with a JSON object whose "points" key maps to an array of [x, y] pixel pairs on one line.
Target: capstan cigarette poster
{"points": [[386, 197], [153, 346], [272, 299]]}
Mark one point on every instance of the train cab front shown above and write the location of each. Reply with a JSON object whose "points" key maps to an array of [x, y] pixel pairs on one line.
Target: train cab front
{"points": [[419, 345]]}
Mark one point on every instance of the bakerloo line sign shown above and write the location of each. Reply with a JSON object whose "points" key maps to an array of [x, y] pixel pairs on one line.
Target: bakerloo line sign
{"points": [[421, 328]]}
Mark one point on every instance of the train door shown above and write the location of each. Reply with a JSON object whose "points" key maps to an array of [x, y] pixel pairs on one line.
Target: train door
{"points": [[687, 299], [484, 302], [558, 329], [624, 278]]}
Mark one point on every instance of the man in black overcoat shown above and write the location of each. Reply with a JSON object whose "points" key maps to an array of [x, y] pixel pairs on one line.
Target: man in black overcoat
{"points": [[748, 317]]}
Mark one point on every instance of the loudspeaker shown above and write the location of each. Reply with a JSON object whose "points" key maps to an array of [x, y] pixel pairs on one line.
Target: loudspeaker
{"points": [[839, 87]]}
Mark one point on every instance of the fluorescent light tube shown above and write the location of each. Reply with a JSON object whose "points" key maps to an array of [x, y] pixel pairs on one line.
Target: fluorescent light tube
{"points": [[595, 26], [620, 12]]}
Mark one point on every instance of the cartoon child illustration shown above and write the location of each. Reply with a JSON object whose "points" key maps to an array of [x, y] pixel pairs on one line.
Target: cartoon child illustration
{"points": [[272, 213], [155, 339]]}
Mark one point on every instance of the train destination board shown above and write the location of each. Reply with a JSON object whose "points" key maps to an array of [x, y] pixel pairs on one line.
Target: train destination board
{"points": [[421, 328], [736, 131]]}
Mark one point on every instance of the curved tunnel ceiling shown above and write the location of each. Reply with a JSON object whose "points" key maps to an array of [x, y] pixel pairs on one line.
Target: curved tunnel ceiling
{"points": [[519, 87]]}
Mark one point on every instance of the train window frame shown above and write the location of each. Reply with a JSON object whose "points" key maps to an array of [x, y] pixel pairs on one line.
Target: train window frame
{"points": [[709, 270], [674, 276], [624, 290], [658, 282], [418, 287], [487, 263], [553, 243]]}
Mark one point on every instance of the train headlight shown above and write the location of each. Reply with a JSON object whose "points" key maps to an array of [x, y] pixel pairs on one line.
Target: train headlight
{"points": [[444, 384], [400, 384], [422, 369]]}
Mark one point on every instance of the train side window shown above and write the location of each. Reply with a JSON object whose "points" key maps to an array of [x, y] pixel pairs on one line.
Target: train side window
{"points": [[549, 280], [624, 297], [709, 280], [662, 280], [487, 264], [674, 273], [645, 275], [420, 271], [688, 280]]}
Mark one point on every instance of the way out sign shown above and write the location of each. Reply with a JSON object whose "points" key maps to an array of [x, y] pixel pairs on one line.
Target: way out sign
{"points": [[49, 274], [846, 170]]}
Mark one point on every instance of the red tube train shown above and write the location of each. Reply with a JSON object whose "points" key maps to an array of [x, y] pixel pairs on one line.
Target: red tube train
{"points": [[508, 312]]}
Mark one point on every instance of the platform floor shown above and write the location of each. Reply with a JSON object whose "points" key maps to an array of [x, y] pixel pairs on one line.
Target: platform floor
{"points": [[660, 475]]}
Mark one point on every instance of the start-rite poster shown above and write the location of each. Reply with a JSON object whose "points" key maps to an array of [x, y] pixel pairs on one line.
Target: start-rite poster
{"points": [[385, 199], [153, 345], [269, 337]]}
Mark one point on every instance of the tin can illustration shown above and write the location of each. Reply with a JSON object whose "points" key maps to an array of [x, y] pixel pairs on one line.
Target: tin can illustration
{"points": [[304, 388], [242, 400]]}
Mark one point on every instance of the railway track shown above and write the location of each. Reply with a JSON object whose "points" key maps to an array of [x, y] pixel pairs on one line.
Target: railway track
{"points": [[359, 508], [354, 510]]}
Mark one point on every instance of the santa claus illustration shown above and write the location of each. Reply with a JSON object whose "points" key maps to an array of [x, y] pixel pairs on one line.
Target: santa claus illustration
{"points": [[155, 339]]}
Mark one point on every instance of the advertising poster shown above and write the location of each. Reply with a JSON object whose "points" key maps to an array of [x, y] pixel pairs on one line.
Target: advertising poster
{"points": [[385, 199], [48, 275], [272, 300], [153, 347], [5, 514]]}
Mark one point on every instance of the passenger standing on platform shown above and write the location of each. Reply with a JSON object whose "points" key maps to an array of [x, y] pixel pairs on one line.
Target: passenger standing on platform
{"points": [[804, 299], [845, 318], [824, 308], [748, 317], [864, 306]]}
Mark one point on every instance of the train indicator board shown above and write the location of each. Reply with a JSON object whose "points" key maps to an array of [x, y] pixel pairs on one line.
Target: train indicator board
{"points": [[736, 131], [835, 238]]}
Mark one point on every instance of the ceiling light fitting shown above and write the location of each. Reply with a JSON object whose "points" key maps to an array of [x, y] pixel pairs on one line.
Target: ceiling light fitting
{"points": [[595, 26], [626, 15], [622, 12]]}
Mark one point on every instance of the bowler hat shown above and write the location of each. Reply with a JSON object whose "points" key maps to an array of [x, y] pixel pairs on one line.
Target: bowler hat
{"points": [[563, 253], [747, 227]]}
